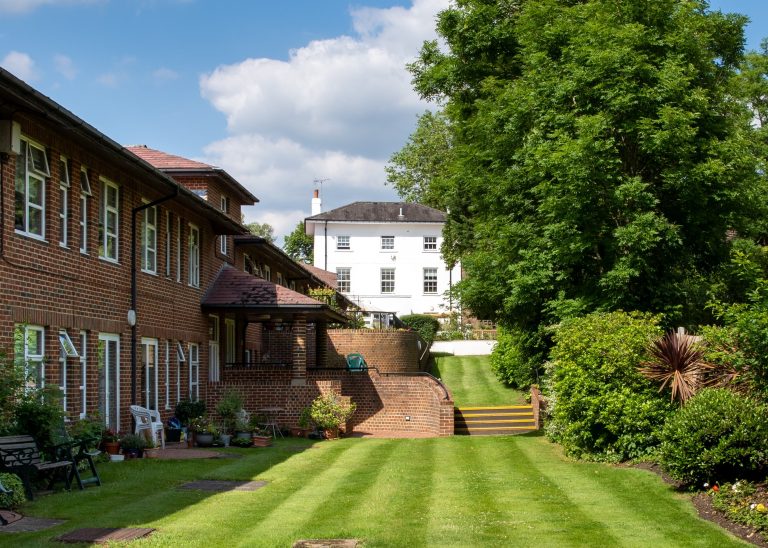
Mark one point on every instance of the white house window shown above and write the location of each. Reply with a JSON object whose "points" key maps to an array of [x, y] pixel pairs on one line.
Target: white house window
{"points": [[64, 201], [387, 280], [430, 281], [149, 359], [223, 247], [225, 204], [194, 256], [387, 243], [85, 192], [109, 221], [168, 241], [342, 242], [83, 375], [430, 243], [178, 249], [30, 349], [167, 375], [344, 279], [149, 241], [31, 171], [194, 372], [179, 360]]}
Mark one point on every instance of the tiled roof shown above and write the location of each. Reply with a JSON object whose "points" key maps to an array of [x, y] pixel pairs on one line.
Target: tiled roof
{"points": [[235, 288], [163, 160], [324, 275], [382, 212]]}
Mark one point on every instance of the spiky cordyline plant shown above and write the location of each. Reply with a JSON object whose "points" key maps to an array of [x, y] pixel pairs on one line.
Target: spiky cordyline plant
{"points": [[678, 362]]}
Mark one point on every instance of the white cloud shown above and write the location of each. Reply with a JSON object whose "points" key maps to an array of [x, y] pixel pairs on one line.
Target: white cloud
{"points": [[337, 109], [25, 6], [20, 65], [164, 74], [64, 66]]}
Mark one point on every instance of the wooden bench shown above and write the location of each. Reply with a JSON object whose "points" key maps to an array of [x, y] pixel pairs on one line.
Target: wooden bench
{"points": [[20, 455]]}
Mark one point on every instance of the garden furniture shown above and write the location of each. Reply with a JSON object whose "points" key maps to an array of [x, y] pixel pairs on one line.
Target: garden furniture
{"points": [[77, 450], [356, 362], [148, 420], [20, 455]]}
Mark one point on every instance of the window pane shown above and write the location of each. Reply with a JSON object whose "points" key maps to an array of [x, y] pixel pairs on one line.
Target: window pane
{"points": [[36, 222]]}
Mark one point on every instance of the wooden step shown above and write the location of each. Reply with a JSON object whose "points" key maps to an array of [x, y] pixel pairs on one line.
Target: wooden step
{"points": [[487, 421]]}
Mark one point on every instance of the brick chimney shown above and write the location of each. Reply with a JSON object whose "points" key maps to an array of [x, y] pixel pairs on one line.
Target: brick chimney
{"points": [[317, 203]]}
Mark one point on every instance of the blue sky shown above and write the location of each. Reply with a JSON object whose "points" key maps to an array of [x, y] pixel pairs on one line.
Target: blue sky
{"points": [[278, 93]]}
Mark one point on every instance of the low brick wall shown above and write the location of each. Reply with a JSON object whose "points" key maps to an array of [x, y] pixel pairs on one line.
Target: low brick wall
{"points": [[384, 402], [388, 350]]}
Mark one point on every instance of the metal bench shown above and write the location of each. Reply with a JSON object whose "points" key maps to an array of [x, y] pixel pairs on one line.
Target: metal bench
{"points": [[20, 455], [67, 448]]}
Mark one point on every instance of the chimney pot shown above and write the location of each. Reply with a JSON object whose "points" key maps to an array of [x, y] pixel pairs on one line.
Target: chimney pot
{"points": [[317, 193]]}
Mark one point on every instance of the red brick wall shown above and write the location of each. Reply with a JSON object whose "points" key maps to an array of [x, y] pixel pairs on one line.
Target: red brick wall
{"points": [[383, 402], [387, 350]]}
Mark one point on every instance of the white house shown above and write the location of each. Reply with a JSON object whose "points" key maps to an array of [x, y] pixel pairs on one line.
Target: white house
{"points": [[386, 256]]}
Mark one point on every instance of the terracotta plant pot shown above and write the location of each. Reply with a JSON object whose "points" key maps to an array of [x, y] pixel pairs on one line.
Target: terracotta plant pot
{"points": [[111, 447], [152, 453], [261, 441], [331, 433]]}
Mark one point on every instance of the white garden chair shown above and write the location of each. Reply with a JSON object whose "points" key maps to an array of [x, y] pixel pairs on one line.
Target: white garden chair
{"points": [[149, 419]]}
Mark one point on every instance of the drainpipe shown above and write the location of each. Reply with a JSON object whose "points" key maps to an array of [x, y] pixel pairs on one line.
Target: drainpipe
{"points": [[132, 312]]}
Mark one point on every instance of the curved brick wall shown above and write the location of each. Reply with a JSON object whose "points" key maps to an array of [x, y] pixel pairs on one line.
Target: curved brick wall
{"points": [[389, 350]]}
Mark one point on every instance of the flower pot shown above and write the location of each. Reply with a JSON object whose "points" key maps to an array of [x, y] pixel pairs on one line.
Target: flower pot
{"points": [[111, 447], [225, 439], [117, 458], [261, 441], [331, 433], [152, 453], [132, 453], [243, 435], [204, 439]]}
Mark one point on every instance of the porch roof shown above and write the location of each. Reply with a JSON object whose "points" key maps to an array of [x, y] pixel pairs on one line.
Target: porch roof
{"points": [[260, 300]]}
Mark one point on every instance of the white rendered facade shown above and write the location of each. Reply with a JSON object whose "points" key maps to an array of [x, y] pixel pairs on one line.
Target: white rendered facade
{"points": [[393, 266]]}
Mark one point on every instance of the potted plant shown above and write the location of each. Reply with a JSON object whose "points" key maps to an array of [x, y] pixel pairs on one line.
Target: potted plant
{"points": [[243, 430], [329, 411], [110, 441], [186, 410], [151, 451], [228, 408], [133, 445], [259, 437], [305, 420], [205, 431], [242, 442]]}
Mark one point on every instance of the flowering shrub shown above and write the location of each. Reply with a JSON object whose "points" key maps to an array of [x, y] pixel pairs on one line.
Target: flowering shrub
{"points": [[601, 406], [717, 435], [330, 411], [744, 503]]}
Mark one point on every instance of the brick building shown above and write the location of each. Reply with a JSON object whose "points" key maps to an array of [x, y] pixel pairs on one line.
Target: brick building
{"points": [[127, 276]]}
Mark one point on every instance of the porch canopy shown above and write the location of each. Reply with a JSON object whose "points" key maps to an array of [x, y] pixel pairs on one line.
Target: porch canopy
{"points": [[255, 299]]}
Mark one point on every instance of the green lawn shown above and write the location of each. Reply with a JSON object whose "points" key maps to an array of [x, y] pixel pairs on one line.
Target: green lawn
{"points": [[472, 383], [459, 491]]}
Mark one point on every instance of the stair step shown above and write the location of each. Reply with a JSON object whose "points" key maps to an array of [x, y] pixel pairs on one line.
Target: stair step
{"points": [[489, 421], [493, 408], [480, 415], [494, 420], [492, 431]]}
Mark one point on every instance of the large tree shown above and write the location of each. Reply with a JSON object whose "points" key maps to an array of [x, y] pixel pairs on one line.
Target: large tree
{"points": [[265, 230], [599, 154], [299, 245]]}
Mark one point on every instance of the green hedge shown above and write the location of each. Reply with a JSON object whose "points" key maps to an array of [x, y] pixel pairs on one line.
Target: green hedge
{"points": [[601, 407], [425, 326], [13, 483], [517, 357], [717, 436]]}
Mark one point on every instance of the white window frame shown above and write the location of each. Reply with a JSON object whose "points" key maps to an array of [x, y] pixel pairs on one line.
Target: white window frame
{"points": [[194, 255], [28, 172], [387, 243], [387, 277], [179, 361], [149, 241], [344, 279], [430, 279], [167, 375], [224, 204], [83, 374], [231, 349], [223, 247], [149, 352], [343, 243], [178, 249], [430, 243], [194, 371], [111, 406], [31, 355], [223, 240], [168, 243], [85, 181], [64, 186], [68, 350], [108, 236], [84, 223]]}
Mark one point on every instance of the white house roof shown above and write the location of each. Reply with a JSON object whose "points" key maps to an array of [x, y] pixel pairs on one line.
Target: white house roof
{"points": [[382, 212]]}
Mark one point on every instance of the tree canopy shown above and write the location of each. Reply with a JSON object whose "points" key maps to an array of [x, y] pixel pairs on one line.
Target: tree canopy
{"points": [[299, 245], [599, 154], [265, 230]]}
